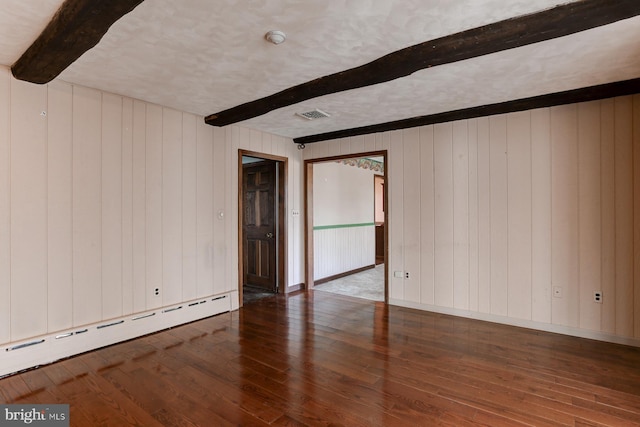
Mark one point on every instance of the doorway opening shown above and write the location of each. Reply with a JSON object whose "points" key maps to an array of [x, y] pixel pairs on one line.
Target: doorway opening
{"points": [[345, 225], [262, 225]]}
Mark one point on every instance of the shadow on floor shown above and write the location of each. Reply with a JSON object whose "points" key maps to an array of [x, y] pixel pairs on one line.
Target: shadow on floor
{"points": [[251, 294], [368, 284]]}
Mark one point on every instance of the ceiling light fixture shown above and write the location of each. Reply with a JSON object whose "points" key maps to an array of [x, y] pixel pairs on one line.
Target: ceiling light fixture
{"points": [[275, 36]]}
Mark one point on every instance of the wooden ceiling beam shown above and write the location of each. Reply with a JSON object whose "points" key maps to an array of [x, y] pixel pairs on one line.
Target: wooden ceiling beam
{"points": [[75, 28], [591, 93], [508, 34]]}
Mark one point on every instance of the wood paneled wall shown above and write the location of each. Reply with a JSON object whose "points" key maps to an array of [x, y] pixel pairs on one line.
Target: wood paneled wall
{"points": [[105, 199], [489, 215]]}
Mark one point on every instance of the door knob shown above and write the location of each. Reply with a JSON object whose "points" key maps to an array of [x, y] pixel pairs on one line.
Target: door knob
{"points": [[269, 235]]}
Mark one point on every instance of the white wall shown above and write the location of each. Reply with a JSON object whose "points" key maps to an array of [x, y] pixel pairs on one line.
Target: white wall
{"points": [[342, 194], [103, 200], [489, 215]]}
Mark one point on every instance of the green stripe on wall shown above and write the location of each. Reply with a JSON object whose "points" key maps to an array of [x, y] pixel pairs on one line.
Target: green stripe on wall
{"points": [[327, 227]]}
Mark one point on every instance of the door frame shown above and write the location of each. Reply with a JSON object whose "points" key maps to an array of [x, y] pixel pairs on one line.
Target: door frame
{"points": [[282, 168], [308, 218]]}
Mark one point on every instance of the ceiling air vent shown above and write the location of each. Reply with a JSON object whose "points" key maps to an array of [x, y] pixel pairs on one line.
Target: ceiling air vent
{"points": [[313, 114]]}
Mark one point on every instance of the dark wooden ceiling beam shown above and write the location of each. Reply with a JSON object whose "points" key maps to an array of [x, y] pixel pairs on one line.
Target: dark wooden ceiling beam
{"points": [[508, 34], [591, 93], [75, 28]]}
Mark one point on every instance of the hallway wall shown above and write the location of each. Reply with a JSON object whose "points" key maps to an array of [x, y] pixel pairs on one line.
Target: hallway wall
{"points": [[343, 223]]}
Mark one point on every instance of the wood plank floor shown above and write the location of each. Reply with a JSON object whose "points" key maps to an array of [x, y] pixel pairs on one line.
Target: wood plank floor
{"points": [[324, 359]]}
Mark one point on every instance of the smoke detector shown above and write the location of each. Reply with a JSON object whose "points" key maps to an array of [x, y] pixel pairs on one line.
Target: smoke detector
{"points": [[313, 114], [275, 36]]}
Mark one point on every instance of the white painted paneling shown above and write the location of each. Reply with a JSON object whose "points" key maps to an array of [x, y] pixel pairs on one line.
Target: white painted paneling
{"points": [[295, 274], [296, 251], [427, 219], [357, 142], [255, 139], [608, 216], [139, 206], [189, 207], [382, 141], [340, 250], [28, 210], [319, 150], [395, 200], [470, 178], [279, 144], [103, 199], [345, 146], [171, 206], [484, 216], [59, 208], [474, 253], [111, 206], [443, 178], [624, 214], [153, 193], [205, 183], [636, 211], [333, 147], [127, 206], [541, 216], [220, 232], [519, 214], [499, 214], [547, 197], [87, 206], [412, 214], [5, 204], [564, 214], [590, 233], [460, 157], [369, 143], [267, 145], [232, 135]]}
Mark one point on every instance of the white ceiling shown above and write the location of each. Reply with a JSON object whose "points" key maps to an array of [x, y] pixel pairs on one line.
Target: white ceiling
{"points": [[204, 56]]}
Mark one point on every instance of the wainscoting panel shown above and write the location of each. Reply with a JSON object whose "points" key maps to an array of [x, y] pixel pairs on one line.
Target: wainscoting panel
{"points": [[343, 248]]}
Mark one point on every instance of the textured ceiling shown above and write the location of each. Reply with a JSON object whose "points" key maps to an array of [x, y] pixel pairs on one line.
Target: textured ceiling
{"points": [[204, 56]]}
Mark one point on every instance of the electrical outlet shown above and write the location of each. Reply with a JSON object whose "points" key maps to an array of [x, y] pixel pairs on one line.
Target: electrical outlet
{"points": [[557, 292], [406, 275], [597, 297], [156, 291]]}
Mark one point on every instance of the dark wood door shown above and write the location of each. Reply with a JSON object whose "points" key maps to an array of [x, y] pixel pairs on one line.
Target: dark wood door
{"points": [[259, 225]]}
